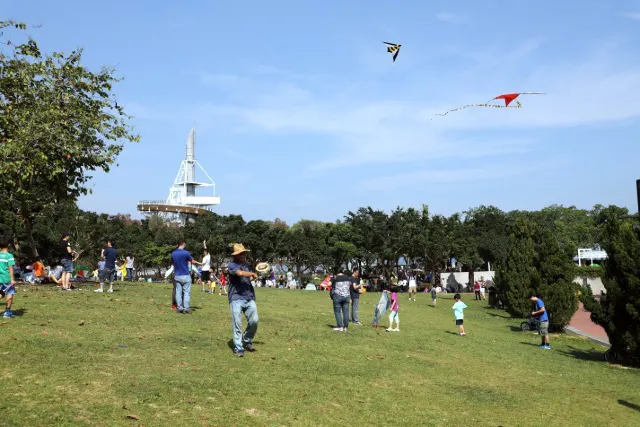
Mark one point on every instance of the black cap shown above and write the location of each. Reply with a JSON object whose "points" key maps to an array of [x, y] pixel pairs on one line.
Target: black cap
{"points": [[65, 234]]}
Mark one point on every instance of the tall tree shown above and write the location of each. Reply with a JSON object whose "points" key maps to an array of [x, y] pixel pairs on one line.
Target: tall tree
{"points": [[58, 122], [618, 312]]}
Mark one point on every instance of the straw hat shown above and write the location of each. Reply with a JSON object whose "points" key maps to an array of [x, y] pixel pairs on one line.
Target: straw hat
{"points": [[238, 248]]}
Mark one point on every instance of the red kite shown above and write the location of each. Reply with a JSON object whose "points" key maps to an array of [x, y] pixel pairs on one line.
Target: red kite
{"points": [[508, 99]]}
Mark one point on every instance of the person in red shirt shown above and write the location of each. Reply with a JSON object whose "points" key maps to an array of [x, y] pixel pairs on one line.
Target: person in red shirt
{"points": [[223, 283], [476, 290]]}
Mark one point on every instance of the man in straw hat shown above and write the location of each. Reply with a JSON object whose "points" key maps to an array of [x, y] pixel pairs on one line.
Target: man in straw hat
{"points": [[242, 299]]}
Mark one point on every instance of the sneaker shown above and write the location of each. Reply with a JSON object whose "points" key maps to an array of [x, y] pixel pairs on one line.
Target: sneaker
{"points": [[8, 313], [99, 290], [239, 353], [174, 307], [338, 329], [547, 347], [187, 311], [389, 330], [357, 323], [110, 291], [463, 334], [249, 347]]}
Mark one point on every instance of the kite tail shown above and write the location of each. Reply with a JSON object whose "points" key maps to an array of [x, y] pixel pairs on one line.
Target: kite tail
{"points": [[517, 105]]}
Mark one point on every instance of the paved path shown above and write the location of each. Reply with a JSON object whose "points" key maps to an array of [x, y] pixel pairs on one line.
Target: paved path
{"points": [[581, 324]]}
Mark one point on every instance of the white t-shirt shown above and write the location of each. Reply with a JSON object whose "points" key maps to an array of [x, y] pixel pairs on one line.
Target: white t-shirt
{"points": [[129, 262], [289, 276], [207, 263], [412, 283]]}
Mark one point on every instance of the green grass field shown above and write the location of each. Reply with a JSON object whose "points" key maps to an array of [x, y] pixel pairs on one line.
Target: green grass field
{"points": [[62, 365]]}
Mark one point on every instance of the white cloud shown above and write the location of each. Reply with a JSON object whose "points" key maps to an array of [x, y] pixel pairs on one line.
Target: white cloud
{"points": [[431, 176], [360, 126], [450, 17], [633, 15]]}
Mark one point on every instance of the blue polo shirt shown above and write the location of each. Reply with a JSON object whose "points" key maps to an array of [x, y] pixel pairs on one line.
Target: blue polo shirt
{"points": [[240, 288], [543, 317], [180, 259]]}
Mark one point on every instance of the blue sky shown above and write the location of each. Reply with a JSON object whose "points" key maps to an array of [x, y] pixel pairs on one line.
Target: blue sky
{"points": [[301, 113]]}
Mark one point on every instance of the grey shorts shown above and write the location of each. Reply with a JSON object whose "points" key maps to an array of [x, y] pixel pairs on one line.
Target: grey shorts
{"points": [[544, 329]]}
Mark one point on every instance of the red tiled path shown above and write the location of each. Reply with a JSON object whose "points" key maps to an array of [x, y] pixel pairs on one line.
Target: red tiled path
{"points": [[582, 321]]}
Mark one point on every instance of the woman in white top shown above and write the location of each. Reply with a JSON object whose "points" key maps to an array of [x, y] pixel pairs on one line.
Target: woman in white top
{"points": [[130, 261], [206, 271]]}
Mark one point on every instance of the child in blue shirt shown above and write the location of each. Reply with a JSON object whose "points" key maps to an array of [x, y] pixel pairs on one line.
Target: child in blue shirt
{"points": [[458, 311]]}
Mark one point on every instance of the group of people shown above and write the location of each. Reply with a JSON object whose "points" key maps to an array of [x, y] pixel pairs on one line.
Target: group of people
{"points": [[346, 288]]}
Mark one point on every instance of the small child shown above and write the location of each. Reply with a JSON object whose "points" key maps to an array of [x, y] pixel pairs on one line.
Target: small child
{"points": [[458, 308], [394, 313], [434, 293], [7, 279], [223, 283]]}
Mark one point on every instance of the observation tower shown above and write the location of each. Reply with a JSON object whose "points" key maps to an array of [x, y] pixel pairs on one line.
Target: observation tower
{"points": [[183, 204]]}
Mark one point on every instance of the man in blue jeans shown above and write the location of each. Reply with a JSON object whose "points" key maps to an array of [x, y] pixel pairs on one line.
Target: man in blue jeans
{"points": [[181, 260], [242, 299]]}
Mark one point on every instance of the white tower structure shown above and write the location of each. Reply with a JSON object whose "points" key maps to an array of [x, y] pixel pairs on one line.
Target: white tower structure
{"points": [[183, 204]]}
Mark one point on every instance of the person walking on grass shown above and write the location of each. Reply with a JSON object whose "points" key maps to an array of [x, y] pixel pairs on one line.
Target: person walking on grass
{"points": [[393, 315], [110, 255], [66, 259], [206, 269], [130, 260], [413, 287], [182, 260], [7, 279], [341, 286], [356, 287], [242, 299], [458, 311], [543, 317], [434, 294], [222, 289]]}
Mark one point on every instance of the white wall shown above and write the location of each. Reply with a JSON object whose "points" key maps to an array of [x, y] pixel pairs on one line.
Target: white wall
{"points": [[596, 284], [462, 278]]}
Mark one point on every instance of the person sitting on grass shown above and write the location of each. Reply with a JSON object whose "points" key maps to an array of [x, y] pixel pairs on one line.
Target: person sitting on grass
{"points": [[543, 318], [7, 279], [458, 310]]}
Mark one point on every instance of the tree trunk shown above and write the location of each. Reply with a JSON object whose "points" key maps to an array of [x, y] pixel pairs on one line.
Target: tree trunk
{"points": [[28, 227]]}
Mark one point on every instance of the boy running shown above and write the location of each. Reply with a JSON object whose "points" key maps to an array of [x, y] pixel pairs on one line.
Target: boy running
{"points": [[7, 280], [458, 310], [223, 283]]}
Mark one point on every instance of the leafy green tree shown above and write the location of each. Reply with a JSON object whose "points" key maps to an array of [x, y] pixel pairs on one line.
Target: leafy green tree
{"points": [[58, 122], [618, 311], [514, 274], [554, 276]]}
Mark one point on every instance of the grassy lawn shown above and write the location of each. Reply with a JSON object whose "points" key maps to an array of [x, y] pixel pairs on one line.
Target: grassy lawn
{"points": [[63, 366]]}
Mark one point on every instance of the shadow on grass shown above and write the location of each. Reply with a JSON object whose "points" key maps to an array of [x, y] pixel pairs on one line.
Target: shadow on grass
{"points": [[498, 315], [594, 356], [515, 328], [19, 312], [629, 405], [451, 333]]}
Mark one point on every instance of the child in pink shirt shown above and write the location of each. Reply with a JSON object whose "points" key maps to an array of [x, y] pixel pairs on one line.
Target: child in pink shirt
{"points": [[393, 315]]}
